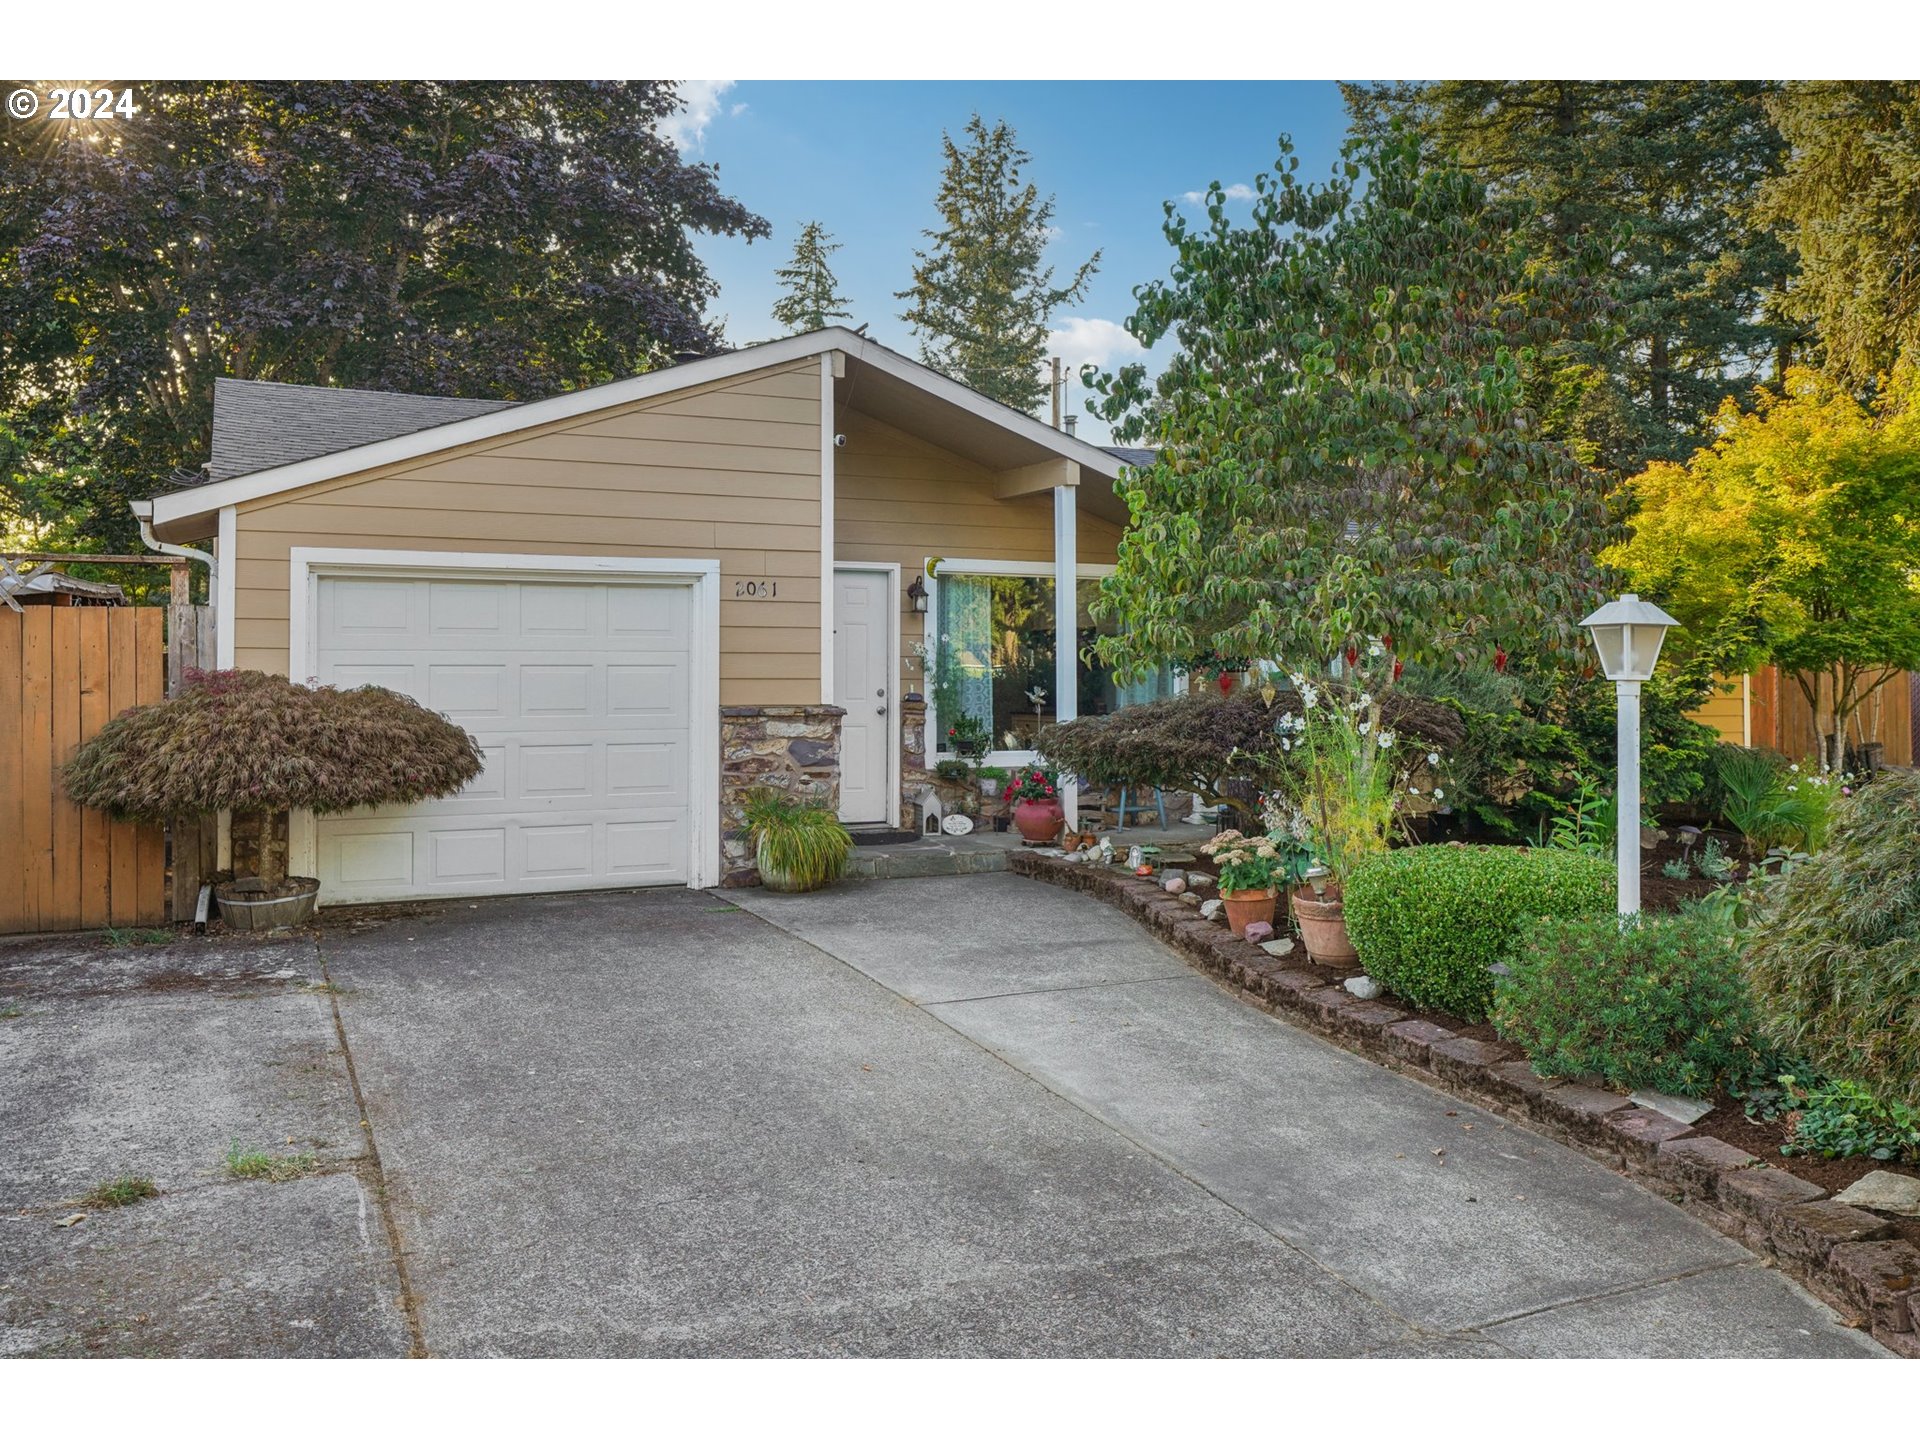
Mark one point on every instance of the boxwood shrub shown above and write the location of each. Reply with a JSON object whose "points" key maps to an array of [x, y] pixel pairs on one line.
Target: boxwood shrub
{"points": [[1661, 1004], [1428, 921]]}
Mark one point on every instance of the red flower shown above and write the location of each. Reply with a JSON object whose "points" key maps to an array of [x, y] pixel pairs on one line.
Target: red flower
{"points": [[1353, 654], [1226, 682], [1397, 668], [1387, 640], [1499, 660], [1049, 789]]}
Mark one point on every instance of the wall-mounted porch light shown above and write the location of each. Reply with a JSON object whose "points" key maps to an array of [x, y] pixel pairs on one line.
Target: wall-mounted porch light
{"points": [[917, 596]]}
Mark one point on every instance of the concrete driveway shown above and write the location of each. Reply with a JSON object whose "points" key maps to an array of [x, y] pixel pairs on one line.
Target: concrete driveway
{"points": [[964, 1116]]}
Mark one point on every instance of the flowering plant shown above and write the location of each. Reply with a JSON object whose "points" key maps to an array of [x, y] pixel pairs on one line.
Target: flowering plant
{"points": [[1030, 785], [1256, 862], [1353, 777]]}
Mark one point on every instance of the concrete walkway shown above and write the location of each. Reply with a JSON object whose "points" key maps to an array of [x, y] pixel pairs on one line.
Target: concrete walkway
{"points": [[965, 1116]]}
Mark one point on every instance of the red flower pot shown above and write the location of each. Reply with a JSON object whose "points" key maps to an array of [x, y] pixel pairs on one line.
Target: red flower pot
{"points": [[1039, 821]]}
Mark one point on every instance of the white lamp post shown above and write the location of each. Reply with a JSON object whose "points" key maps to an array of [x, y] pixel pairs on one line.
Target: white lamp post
{"points": [[1627, 632]]}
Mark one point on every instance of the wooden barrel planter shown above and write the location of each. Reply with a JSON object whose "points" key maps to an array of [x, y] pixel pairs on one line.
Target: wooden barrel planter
{"points": [[252, 904]]}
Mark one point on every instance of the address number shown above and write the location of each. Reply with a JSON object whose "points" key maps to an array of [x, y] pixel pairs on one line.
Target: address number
{"points": [[755, 589]]}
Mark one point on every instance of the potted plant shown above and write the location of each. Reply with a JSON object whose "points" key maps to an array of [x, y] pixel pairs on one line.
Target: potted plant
{"points": [[1252, 870], [253, 743], [968, 736], [1035, 801], [799, 845]]}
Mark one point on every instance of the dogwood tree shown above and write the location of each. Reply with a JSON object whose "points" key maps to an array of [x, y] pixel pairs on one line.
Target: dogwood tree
{"points": [[1348, 433]]}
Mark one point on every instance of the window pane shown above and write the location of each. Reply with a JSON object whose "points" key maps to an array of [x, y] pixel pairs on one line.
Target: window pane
{"points": [[994, 672]]}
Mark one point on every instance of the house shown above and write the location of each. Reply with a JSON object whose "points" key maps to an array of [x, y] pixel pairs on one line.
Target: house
{"points": [[647, 597]]}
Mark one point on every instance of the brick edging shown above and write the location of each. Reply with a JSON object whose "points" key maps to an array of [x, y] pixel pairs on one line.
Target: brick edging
{"points": [[1846, 1257]]}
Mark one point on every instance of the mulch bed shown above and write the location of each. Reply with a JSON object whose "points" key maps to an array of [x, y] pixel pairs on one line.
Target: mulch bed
{"points": [[1730, 1173]]}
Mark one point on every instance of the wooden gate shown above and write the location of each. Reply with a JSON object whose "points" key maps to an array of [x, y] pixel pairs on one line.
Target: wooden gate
{"points": [[64, 672]]}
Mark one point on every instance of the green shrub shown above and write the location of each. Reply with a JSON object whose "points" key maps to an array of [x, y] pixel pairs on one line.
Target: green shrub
{"points": [[1429, 921], [1662, 1004], [1840, 1119], [1834, 958]]}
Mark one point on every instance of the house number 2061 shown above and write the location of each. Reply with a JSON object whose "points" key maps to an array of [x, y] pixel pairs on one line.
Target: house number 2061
{"points": [[755, 589]]}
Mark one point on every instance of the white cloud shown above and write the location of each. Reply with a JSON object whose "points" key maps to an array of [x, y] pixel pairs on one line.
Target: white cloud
{"points": [[699, 108], [1083, 340], [1236, 194]]}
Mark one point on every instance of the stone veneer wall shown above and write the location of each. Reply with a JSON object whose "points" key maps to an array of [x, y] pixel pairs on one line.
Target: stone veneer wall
{"points": [[794, 748], [914, 773]]}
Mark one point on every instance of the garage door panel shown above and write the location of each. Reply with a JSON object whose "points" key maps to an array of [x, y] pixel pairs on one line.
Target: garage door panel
{"points": [[459, 609], [467, 857], [554, 612], [580, 697], [470, 692]]}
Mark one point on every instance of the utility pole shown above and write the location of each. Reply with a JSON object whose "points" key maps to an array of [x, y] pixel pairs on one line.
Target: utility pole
{"points": [[1058, 383]]}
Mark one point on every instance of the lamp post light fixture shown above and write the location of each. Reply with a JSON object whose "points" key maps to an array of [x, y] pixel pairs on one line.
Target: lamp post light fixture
{"points": [[917, 596], [1628, 633]]}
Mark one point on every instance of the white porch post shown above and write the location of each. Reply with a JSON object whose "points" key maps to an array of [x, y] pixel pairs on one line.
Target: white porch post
{"points": [[1066, 629]]}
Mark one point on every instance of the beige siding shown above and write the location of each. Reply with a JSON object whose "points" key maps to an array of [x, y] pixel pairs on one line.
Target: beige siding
{"points": [[1724, 710], [902, 499], [728, 472]]}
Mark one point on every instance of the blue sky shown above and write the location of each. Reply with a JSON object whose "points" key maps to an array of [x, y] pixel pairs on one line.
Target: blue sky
{"points": [[863, 158]]}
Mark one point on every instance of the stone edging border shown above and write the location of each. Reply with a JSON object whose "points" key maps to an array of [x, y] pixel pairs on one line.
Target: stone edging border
{"points": [[1848, 1258]]}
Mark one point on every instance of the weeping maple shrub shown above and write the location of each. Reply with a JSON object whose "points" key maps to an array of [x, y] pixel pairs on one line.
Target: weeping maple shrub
{"points": [[250, 742], [1834, 961]]}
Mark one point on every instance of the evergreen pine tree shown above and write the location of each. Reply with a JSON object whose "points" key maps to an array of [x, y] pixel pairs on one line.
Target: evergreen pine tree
{"points": [[1668, 172], [982, 295], [1848, 203], [812, 300]]}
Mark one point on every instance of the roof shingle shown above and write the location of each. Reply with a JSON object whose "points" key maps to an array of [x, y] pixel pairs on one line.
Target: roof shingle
{"points": [[260, 425]]}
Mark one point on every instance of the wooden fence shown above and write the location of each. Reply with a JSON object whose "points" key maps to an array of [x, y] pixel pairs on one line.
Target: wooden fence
{"points": [[64, 672]]}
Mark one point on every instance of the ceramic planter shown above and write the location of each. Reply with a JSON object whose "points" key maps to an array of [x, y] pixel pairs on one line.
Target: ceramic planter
{"points": [[1248, 907], [1039, 821], [1323, 926]]}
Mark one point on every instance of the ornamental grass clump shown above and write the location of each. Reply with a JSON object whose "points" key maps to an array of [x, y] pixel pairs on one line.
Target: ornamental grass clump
{"points": [[250, 742], [799, 845], [1834, 957]]}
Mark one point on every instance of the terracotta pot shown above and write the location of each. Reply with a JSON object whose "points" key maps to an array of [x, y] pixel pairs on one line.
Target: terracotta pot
{"points": [[1248, 907], [1071, 841], [1323, 926], [1039, 821]]}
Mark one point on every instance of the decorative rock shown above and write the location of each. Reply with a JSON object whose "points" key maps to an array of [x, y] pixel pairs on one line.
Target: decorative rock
{"points": [[1674, 1107], [1188, 899], [1213, 909], [1277, 948], [1884, 1191], [1200, 882], [1259, 931], [1177, 885], [1364, 986]]}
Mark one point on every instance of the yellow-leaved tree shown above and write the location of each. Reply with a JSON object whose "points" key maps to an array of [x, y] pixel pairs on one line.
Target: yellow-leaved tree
{"points": [[1796, 537]]}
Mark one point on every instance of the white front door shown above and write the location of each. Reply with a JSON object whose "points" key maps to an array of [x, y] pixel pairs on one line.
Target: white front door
{"points": [[579, 695], [863, 687]]}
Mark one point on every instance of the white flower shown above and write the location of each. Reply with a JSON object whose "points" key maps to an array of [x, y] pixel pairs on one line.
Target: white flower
{"points": [[1365, 725], [1375, 649], [1413, 789], [1432, 758], [1439, 794], [1794, 768], [1286, 745], [1365, 700], [1386, 739]]}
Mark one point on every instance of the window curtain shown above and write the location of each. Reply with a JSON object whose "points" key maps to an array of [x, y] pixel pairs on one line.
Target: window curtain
{"points": [[966, 628]]}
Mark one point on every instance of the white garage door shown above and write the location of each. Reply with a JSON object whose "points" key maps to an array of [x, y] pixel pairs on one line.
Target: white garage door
{"points": [[578, 693]]}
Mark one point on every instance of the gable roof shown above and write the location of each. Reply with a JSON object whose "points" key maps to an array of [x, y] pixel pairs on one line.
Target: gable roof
{"points": [[196, 505], [260, 425]]}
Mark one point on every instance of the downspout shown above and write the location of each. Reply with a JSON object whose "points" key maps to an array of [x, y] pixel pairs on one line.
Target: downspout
{"points": [[143, 512]]}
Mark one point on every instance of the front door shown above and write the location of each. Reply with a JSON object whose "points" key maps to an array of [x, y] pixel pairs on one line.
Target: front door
{"points": [[863, 687]]}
